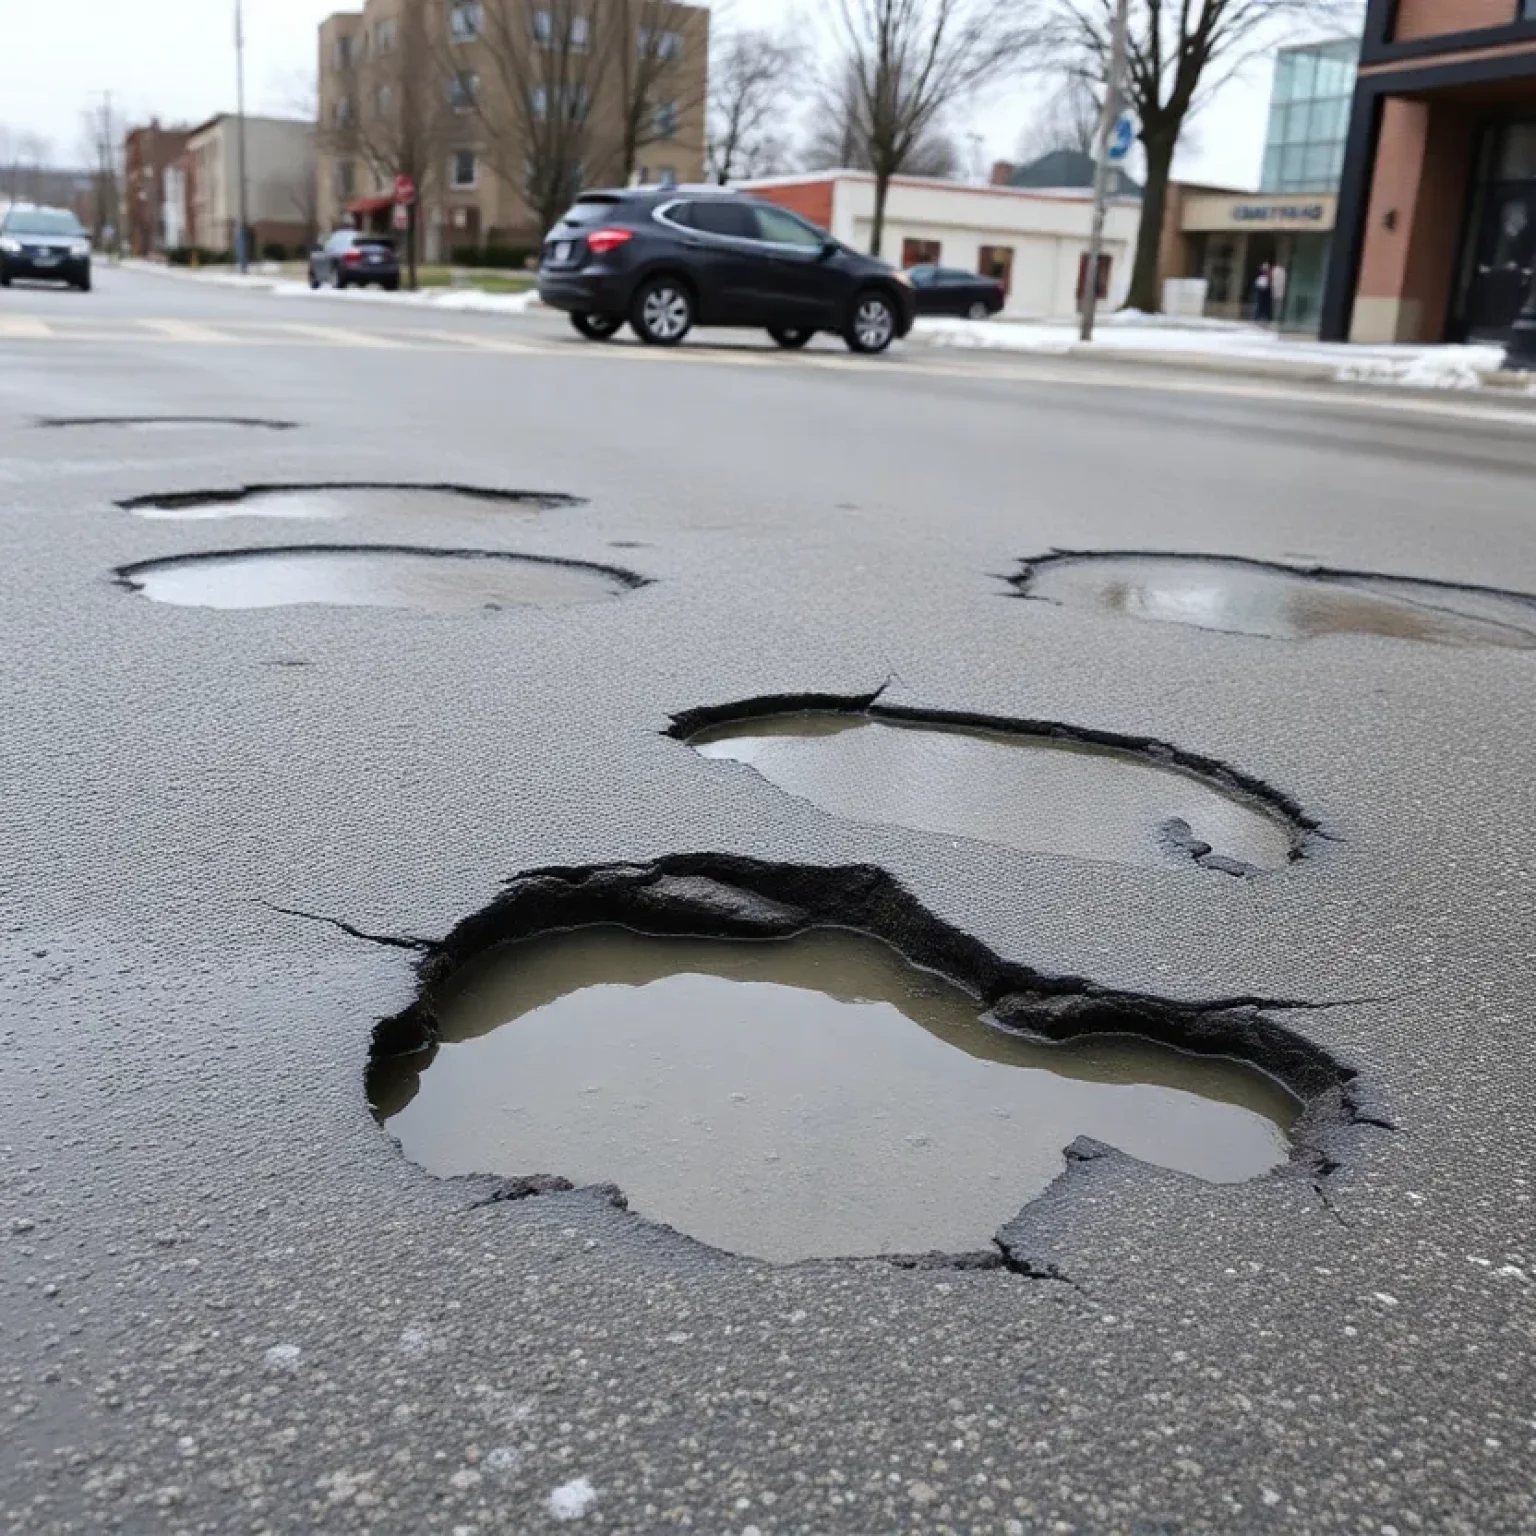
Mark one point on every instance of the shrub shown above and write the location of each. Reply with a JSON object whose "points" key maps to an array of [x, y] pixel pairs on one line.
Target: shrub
{"points": [[506, 257], [274, 250]]}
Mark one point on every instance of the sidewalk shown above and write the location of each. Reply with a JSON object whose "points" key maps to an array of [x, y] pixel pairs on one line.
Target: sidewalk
{"points": [[270, 277], [1234, 347]]}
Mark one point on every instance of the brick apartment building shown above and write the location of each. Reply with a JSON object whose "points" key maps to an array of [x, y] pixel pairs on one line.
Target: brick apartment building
{"points": [[1436, 226], [474, 158], [149, 154]]}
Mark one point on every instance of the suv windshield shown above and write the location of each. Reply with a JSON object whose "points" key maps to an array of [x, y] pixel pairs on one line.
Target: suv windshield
{"points": [[42, 221], [590, 210]]}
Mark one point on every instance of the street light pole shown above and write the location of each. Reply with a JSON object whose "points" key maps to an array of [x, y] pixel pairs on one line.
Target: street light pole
{"points": [[1111, 116], [242, 234]]}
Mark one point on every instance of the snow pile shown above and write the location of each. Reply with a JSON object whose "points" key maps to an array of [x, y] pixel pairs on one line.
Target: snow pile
{"points": [[1423, 367], [457, 299]]}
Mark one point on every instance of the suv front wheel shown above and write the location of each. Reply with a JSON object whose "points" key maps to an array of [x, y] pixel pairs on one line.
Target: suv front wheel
{"points": [[662, 313], [872, 325]]}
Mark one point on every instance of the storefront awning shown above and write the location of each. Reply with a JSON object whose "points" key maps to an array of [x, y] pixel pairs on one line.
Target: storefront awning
{"points": [[370, 204]]}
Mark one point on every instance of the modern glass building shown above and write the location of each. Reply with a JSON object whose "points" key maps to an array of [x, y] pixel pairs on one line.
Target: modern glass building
{"points": [[1309, 116]]}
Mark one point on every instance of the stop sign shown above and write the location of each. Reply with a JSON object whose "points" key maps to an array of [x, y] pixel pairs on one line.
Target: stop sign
{"points": [[405, 190]]}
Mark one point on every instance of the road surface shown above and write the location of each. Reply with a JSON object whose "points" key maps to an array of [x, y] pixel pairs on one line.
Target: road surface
{"points": [[227, 1302]]}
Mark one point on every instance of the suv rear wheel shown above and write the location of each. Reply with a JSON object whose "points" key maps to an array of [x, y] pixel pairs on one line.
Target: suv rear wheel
{"points": [[662, 313], [597, 327], [872, 325], [789, 336]]}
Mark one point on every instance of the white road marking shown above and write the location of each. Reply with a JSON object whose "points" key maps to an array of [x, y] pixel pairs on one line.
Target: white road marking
{"points": [[24, 328], [190, 331], [339, 336]]}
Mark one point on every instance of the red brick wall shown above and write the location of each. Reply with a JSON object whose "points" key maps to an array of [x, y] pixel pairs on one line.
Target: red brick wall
{"points": [[810, 199], [1435, 18]]}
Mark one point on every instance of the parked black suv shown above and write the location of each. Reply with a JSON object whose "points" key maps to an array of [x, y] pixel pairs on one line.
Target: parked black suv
{"points": [[667, 259], [352, 257], [45, 243]]}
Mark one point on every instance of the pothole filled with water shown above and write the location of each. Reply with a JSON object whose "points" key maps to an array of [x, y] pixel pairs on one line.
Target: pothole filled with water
{"points": [[809, 1096], [1018, 789], [1250, 597], [378, 576], [329, 501]]}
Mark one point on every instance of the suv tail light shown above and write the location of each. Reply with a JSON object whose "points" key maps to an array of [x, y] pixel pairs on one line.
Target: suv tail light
{"points": [[601, 241], [352, 257]]}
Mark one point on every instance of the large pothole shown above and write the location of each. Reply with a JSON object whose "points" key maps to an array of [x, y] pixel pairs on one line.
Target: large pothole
{"points": [[1041, 788], [1279, 602], [375, 576], [793, 1063], [172, 423], [329, 500]]}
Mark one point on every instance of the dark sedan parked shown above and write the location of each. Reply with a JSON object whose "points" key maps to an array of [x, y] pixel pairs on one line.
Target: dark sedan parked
{"points": [[667, 259], [353, 258], [948, 291], [44, 243]]}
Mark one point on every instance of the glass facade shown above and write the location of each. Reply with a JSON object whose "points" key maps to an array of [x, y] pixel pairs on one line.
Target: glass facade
{"points": [[1309, 116]]}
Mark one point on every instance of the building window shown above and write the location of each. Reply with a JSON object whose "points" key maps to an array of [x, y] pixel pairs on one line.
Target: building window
{"points": [[384, 100], [666, 120], [343, 111], [666, 46], [578, 103], [1102, 286], [384, 35], [667, 176], [920, 253], [346, 178], [466, 20], [538, 102], [996, 261], [581, 34], [543, 28], [343, 53], [463, 91], [463, 171]]}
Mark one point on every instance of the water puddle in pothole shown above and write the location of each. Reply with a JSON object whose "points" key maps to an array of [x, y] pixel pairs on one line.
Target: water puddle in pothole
{"points": [[439, 581], [329, 503], [1017, 790], [808, 1097], [1250, 598]]}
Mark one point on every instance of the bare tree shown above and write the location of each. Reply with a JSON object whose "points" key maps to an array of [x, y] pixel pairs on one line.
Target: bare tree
{"points": [[912, 61], [754, 77], [398, 104], [1178, 57], [300, 95], [549, 63], [103, 149], [658, 94], [840, 139], [1067, 119]]}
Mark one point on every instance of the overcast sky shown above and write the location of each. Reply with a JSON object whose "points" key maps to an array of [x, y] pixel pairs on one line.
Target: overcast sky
{"points": [[174, 59]]}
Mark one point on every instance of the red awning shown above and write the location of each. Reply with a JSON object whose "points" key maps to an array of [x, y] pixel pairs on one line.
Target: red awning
{"points": [[370, 204]]}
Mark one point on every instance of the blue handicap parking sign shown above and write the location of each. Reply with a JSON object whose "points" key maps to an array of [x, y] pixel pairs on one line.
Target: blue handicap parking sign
{"points": [[1121, 137]]}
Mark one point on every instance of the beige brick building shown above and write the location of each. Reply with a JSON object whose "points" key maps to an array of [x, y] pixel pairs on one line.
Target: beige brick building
{"points": [[494, 106]]}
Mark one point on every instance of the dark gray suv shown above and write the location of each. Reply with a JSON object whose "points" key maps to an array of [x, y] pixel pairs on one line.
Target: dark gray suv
{"points": [[667, 259]]}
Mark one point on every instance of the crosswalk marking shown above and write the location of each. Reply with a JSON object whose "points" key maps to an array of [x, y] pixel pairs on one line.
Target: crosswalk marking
{"points": [[472, 342], [190, 331], [26, 327], [340, 336]]}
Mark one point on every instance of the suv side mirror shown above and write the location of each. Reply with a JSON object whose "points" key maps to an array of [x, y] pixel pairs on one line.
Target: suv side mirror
{"points": [[829, 249]]}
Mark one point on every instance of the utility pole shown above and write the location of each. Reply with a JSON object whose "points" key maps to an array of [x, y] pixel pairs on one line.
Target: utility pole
{"points": [[1112, 94], [242, 234]]}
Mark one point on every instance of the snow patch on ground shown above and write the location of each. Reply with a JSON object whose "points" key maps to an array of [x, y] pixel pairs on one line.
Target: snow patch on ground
{"points": [[1413, 367], [1425, 367], [570, 1501]]}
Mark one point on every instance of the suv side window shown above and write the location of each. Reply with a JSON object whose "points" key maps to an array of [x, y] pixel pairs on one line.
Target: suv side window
{"points": [[724, 218], [339, 241], [781, 228]]}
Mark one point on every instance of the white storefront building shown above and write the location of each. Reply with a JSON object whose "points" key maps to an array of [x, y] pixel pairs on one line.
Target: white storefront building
{"points": [[1035, 242]]}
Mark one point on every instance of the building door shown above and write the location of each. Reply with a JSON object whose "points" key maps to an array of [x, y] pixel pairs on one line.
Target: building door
{"points": [[1503, 260]]}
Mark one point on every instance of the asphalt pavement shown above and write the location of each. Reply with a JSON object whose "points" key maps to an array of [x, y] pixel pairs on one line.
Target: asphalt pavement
{"points": [[228, 1303]]}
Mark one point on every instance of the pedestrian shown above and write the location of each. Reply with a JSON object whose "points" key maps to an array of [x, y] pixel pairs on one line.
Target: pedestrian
{"points": [[1263, 297], [1277, 278]]}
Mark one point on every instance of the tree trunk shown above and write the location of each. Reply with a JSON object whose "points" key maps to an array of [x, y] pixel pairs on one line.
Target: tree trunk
{"points": [[877, 233], [1154, 208], [410, 240]]}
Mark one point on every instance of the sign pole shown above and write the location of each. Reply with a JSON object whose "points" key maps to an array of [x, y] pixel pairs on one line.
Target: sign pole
{"points": [[1112, 92], [243, 234]]}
